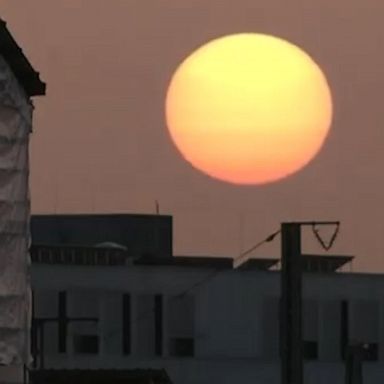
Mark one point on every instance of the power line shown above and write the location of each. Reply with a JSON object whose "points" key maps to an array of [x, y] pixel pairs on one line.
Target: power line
{"points": [[148, 313], [268, 239], [204, 280], [242, 255]]}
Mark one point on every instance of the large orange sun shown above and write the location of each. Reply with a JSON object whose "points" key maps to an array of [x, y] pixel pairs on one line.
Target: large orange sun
{"points": [[248, 108]]}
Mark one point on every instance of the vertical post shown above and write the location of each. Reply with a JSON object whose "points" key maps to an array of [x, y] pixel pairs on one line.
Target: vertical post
{"points": [[290, 313]]}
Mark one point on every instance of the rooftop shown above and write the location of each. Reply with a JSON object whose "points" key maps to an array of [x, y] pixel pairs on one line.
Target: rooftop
{"points": [[100, 376], [28, 78], [131, 234], [111, 255], [137, 239], [324, 263]]}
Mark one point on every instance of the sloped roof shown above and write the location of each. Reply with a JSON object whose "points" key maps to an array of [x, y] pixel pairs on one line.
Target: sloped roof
{"points": [[262, 264], [28, 78], [324, 263]]}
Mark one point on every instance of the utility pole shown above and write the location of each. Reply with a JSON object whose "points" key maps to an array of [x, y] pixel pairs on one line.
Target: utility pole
{"points": [[291, 344], [290, 321]]}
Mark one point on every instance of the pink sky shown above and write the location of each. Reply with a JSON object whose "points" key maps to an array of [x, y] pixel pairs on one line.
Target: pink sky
{"points": [[100, 142]]}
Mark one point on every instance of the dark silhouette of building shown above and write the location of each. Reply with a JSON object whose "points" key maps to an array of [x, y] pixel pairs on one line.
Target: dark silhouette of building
{"points": [[103, 376], [113, 303]]}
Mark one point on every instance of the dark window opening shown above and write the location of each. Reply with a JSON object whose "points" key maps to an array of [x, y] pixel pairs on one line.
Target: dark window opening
{"points": [[126, 340], [370, 351], [86, 344], [182, 347], [181, 326], [62, 318], [344, 329], [310, 350], [158, 325]]}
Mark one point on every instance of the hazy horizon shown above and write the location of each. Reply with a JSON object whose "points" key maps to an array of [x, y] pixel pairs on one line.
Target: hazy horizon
{"points": [[100, 143]]}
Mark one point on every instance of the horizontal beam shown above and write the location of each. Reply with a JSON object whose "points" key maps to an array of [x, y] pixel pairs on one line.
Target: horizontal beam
{"points": [[303, 223]]}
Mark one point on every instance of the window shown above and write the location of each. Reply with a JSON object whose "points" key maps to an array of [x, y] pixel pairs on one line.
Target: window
{"points": [[310, 350], [344, 328], [364, 327], [370, 351], [126, 323], [45, 306], [181, 324], [181, 346], [310, 329], [87, 344], [330, 330], [270, 311], [145, 325], [158, 318], [115, 324], [83, 312]]}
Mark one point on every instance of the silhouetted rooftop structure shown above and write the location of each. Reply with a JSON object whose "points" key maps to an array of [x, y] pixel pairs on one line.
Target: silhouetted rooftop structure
{"points": [[100, 376], [78, 255], [146, 240], [310, 263], [131, 235], [324, 263], [11, 52], [262, 264], [189, 261]]}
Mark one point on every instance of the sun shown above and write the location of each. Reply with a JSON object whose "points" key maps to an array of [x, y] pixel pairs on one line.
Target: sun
{"points": [[248, 108]]}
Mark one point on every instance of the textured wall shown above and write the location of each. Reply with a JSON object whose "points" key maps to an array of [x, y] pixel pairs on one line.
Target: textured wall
{"points": [[15, 127]]}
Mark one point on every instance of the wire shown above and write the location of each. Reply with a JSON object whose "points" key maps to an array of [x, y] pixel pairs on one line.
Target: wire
{"points": [[148, 313], [199, 283], [217, 271], [204, 280], [268, 239]]}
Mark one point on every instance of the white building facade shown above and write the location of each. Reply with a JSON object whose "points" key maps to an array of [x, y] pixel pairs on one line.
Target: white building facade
{"points": [[202, 323]]}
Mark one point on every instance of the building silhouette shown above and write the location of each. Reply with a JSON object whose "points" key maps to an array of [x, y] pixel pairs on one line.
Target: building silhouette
{"points": [[107, 296]]}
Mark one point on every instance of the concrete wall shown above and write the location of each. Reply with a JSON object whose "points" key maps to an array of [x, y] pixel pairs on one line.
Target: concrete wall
{"points": [[235, 320], [11, 374]]}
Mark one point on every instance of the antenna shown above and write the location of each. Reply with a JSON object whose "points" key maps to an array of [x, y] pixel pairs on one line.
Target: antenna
{"points": [[56, 194], [292, 366], [241, 233], [93, 187]]}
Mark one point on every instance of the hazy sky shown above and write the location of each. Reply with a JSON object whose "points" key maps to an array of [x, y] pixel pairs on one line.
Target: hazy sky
{"points": [[100, 142]]}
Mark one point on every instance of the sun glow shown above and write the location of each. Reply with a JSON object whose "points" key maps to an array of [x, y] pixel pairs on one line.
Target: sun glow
{"points": [[248, 108]]}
